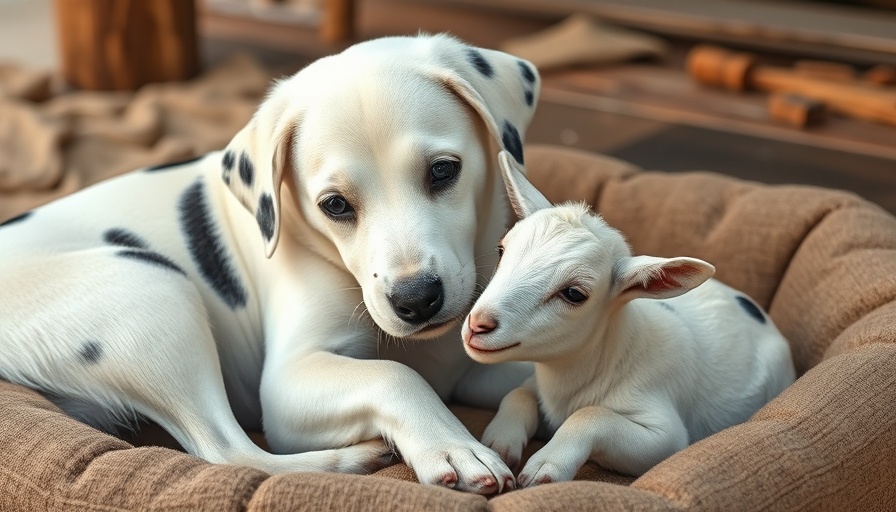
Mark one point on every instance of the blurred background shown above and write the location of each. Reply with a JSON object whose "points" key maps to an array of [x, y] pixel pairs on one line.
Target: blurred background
{"points": [[774, 91]]}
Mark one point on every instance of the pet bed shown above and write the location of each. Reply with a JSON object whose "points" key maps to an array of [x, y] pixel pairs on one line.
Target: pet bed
{"points": [[822, 262]]}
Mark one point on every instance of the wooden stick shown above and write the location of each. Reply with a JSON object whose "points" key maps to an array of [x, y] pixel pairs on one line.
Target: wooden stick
{"points": [[795, 110], [721, 68], [826, 70], [883, 74]]}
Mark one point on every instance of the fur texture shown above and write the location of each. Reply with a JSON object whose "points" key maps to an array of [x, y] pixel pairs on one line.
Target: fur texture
{"points": [[635, 357], [257, 285]]}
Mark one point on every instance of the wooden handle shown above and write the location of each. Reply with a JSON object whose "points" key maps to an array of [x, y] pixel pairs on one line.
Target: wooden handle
{"points": [[883, 74], [739, 71], [795, 110], [826, 70], [718, 67], [860, 99]]}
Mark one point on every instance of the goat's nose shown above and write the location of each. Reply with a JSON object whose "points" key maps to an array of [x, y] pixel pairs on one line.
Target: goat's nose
{"points": [[418, 299], [482, 323]]}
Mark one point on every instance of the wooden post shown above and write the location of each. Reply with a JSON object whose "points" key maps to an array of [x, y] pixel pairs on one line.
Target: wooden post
{"points": [[338, 21], [123, 44]]}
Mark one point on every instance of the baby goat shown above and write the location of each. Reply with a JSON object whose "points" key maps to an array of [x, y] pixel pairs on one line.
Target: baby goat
{"points": [[625, 382]]}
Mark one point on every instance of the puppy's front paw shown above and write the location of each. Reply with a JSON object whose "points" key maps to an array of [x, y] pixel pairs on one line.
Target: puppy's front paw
{"points": [[507, 442], [542, 469], [465, 466]]}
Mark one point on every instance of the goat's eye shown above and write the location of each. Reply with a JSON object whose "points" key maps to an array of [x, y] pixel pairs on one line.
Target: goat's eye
{"points": [[442, 173], [337, 208], [573, 295]]}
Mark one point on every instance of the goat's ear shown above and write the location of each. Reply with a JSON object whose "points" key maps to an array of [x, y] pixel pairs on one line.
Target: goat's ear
{"points": [[254, 162], [524, 197], [657, 278]]}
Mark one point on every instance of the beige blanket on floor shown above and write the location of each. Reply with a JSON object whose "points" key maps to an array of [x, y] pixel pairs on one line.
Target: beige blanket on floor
{"points": [[54, 143]]}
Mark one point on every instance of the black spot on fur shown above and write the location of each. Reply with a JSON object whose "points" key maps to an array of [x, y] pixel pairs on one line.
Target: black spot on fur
{"points": [[512, 142], [265, 216], [751, 308], [125, 238], [171, 165], [247, 170], [528, 75], [530, 98], [16, 219], [91, 352], [227, 162], [480, 63], [666, 305], [208, 252], [151, 257]]}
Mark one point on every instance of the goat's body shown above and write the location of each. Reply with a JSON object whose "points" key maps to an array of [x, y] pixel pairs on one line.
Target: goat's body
{"points": [[653, 377], [635, 357], [701, 352]]}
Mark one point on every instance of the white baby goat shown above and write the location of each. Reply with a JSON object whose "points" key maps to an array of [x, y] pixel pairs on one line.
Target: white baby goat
{"points": [[625, 382]]}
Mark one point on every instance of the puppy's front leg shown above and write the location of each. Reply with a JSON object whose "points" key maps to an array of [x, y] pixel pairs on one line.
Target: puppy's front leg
{"points": [[322, 399], [515, 424], [611, 439]]}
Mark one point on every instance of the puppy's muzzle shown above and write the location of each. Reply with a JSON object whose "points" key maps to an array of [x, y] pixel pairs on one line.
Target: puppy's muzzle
{"points": [[417, 299]]}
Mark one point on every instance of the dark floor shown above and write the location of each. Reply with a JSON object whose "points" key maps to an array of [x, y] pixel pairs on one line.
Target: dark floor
{"points": [[671, 147]]}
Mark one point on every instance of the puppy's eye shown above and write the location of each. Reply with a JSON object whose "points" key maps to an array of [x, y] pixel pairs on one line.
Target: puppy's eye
{"points": [[573, 295], [337, 208], [442, 173], [500, 250]]}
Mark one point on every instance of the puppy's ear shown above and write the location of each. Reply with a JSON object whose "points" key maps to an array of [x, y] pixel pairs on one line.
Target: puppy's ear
{"points": [[254, 162], [524, 197], [658, 278], [502, 88]]}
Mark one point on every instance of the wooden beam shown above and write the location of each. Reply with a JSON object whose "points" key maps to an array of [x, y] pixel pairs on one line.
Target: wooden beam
{"points": [[810, 30]]}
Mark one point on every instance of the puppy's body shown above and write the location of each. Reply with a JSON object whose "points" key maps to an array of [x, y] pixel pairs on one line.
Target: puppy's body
{"points": [[205, 293], [113, 230], [635, 356]]}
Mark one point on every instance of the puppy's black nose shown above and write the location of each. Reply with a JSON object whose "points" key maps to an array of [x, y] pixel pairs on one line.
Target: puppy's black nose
{"points": [[417, 299]]}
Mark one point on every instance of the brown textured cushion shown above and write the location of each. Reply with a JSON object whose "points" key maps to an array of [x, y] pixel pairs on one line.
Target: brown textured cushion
{"points": [[822, 262]]}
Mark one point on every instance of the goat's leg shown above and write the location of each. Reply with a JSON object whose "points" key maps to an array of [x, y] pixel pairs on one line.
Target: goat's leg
{"points": [[515, 424], [614, 441]]}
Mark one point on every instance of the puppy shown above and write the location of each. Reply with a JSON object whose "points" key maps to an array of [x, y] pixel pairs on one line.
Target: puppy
{"points": [[309, 278]]}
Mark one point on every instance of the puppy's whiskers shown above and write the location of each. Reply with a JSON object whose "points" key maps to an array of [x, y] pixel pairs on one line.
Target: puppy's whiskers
{"points": [[476, 258], [350, 318]]}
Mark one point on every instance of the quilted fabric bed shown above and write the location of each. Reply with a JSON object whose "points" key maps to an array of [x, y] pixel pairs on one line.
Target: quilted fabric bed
{"points": [[822, 262]]}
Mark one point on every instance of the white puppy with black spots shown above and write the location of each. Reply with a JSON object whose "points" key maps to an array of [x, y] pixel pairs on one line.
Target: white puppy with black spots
{"points": [[635, 356], [209, 298]]}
